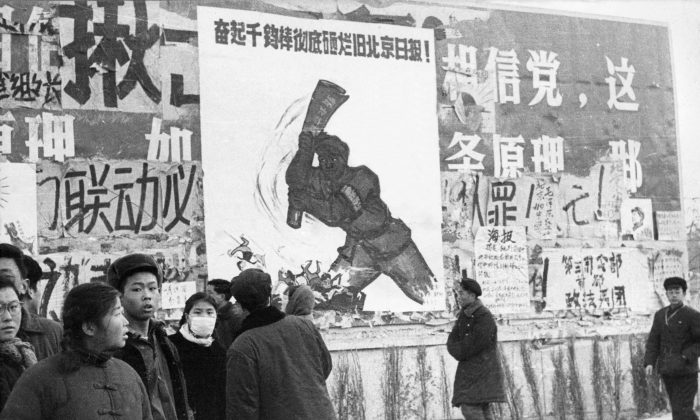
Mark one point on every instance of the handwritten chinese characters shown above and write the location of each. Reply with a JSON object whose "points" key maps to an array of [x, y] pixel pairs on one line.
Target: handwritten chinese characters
{"points": [[501, 268]]}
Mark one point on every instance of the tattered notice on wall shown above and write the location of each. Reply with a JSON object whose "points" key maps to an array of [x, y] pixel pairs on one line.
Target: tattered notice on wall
{"points": [[669, 225], [174, 294], [367, 233], [65, 270], [636, 220], [18, 218], [100, 198], [596, 280], [501, 268]]}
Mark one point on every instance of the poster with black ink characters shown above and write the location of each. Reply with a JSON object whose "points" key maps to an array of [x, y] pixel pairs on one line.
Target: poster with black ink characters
{"points": [[320, 148]]}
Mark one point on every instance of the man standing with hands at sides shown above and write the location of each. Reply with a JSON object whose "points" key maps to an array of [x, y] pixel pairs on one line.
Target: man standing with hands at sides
{"points": [[673, 347], [148, 349], [474, 343]]}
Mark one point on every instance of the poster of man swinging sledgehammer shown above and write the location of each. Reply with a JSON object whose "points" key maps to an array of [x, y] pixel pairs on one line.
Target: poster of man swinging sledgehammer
{"points": [[321, 149]]}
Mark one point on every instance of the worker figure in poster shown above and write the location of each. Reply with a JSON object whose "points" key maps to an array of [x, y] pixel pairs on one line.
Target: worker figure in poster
{"points": [[349, 198], [474, 343], [673, 347]]}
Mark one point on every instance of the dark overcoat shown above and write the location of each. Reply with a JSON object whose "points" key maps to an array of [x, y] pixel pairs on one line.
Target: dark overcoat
{"points": [[205, 374], [473, 342], [106, 390], [277, 369], [673, 345]]}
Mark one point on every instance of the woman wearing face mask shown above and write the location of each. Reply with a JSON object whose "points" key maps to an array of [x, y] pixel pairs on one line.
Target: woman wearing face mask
{"points": [[203, 364], [15, 355]]}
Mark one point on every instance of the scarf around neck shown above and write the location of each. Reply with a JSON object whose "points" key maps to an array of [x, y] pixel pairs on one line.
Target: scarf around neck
{"points": [[19, 352], [185, 331]]}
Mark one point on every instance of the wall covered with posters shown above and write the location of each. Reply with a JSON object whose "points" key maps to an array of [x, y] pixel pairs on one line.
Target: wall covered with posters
{"points": [[533, 150]]}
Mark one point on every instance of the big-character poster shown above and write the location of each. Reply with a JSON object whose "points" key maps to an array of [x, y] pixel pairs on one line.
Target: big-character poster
{"points": [[363, 179]]}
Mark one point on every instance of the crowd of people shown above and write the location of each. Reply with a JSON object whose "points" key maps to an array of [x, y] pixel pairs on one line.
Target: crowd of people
{"points": [[110, 358]]}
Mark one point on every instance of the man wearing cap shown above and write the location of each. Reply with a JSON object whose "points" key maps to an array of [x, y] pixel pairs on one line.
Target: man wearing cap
{"points": [[349, 198], [474, 343], [673, 347], [44, 334], [277, 366], [148, 349]]}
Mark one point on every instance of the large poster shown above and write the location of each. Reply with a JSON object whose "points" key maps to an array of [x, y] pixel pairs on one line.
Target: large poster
{"points": [[368, 226]]}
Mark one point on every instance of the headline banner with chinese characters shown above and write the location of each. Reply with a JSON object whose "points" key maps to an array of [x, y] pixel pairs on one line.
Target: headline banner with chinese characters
{"points": [[596, 279], [519, 94], [101, 198], [501, 268]]}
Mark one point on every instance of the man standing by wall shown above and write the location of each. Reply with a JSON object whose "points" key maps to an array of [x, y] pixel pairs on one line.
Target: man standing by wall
{"points": [[673, 346], [277, 367], [148, 349], [228, 315], [474, 343], [44, 334]]}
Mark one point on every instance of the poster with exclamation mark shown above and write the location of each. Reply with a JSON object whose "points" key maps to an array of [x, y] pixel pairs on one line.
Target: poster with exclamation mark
{"points": [[368, 236]]}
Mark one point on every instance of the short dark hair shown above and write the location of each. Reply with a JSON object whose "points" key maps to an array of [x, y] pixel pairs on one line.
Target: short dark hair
{"points": [[221, 286], [7, 282], [88, 302], [34, 271], [14, 253], [197, 297], [252, 289], [122, 268], [673, 282]]}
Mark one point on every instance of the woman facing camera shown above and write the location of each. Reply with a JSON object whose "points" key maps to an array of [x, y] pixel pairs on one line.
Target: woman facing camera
{"points": [[204, 364], [84, 381], [15, 354]]}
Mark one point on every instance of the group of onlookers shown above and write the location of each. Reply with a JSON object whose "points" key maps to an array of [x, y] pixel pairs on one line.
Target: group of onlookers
{"points": [[111, 358]]}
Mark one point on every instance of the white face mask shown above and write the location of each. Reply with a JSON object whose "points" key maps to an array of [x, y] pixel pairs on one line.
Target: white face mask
{"points": [[202, 326]]}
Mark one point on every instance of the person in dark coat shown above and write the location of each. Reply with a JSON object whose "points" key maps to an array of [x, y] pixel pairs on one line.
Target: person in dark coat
{"points": [[15, 355], [673, 347], [148, 349], [474, 343], [203, 360], [84, 381], [229, 316], [301, 301], [44, 334], [277, 367]]}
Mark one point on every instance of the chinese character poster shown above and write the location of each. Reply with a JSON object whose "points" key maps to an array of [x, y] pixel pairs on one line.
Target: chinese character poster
{"points": [[349, 207]]}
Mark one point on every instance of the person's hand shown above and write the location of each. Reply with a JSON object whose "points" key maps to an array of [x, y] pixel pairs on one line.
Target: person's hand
{"points": [[649, 369], [299, 198], [306, 139]]}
